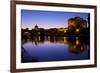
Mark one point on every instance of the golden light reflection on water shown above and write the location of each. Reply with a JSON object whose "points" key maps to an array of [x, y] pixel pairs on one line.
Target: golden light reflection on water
{"points": [[75, 44]]}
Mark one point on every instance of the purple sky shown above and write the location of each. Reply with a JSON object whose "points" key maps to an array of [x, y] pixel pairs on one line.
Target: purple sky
{"points": [[48, 19]]}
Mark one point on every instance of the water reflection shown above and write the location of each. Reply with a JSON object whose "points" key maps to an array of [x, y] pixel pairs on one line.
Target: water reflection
{"points": [[78, 44], [46, 48]]}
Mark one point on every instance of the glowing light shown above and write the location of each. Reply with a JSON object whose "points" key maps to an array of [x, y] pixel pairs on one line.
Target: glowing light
{"points": [[77, 42], [77, 30]]}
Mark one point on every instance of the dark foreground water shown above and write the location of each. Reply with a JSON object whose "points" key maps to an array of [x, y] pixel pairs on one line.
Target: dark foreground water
{"points": [[43, 49]]}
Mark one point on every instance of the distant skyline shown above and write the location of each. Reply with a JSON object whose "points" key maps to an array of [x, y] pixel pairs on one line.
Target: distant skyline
{"points": [[48, 19]]}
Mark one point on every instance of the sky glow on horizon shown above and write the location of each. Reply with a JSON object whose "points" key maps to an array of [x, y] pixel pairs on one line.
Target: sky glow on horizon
{"points": [[48, 19]]}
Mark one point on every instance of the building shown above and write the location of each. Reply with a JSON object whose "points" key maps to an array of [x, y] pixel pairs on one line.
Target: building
{"points": [[36, 27], [63, 30], [77, 23], [78, 26]]}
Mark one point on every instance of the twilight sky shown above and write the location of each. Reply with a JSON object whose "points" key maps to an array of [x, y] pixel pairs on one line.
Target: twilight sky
{"points": [[47, 19]]}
